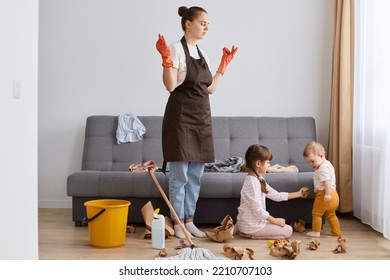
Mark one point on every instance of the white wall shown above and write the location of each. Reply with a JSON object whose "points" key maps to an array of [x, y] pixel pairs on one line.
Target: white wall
{"points": [[19, 129], [99, 57]]}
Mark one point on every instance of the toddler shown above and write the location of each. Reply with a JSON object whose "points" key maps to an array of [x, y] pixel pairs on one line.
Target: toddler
{"points": [[326, 200]]}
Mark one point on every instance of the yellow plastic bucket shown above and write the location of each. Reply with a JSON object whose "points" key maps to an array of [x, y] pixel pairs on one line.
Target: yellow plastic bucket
{"points": [[107, 221]]}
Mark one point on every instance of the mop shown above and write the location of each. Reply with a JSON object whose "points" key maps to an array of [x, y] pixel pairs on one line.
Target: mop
{"points": [[192, 252]]}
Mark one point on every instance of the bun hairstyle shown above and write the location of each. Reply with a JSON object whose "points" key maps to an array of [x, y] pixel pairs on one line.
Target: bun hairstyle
{"points": [[257, 152], [189, 14]]}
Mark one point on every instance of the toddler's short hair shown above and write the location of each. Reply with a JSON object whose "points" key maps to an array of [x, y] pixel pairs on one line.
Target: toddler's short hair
{"points": [[315, 148]]}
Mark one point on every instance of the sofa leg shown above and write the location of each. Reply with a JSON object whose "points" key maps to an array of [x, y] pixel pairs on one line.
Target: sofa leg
{"points": [[78, 223]]}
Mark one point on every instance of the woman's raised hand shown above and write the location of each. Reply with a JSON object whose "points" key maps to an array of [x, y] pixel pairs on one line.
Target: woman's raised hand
{"points": [[227, 57], [163, 49]]}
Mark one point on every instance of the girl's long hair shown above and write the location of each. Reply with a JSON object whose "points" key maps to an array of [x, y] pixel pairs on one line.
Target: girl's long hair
{"points": [[257, 152]]}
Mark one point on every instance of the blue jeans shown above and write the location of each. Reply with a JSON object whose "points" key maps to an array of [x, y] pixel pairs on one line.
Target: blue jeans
{"points": [[184, 187]]}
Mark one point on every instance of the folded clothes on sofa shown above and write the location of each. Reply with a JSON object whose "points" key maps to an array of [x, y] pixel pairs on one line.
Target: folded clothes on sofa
{"points": [[276, 168], [230, 164]]}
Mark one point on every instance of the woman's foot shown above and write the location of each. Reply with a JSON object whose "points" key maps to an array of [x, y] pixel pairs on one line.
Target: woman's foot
{"points": [[179, 233], [194, 230]]}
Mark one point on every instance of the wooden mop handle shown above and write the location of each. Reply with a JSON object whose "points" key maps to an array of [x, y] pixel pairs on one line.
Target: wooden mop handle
{"points": [[151, 172]]}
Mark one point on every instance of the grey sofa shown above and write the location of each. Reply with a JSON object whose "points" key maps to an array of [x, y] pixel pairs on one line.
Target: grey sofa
{"points": [[104, 172]]}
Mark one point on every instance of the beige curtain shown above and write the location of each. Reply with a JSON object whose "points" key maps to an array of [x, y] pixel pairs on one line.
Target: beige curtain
{"points": [[341, 111]]}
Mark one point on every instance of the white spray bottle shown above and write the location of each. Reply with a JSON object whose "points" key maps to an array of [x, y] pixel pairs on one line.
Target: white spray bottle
{"points": [[158, 231]]}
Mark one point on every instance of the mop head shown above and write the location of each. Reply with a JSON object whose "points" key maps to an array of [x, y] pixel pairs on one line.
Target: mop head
{"points": [[194, 254]]}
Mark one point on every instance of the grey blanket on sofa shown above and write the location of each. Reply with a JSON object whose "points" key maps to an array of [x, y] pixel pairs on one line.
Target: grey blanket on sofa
{"points": [[230, 164]]}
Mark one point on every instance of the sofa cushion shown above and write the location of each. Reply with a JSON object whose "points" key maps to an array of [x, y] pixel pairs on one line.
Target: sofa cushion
{"points": [[286, 137]]}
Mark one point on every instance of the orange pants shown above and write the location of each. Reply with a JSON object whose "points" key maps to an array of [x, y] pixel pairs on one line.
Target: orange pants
{"points": [[327, 209]]}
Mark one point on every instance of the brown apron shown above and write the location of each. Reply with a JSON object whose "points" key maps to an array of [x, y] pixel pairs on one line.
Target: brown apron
{"points": [[187, 130]]}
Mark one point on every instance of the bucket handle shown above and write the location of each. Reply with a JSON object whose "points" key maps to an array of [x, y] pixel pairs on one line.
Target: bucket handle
{"points": [[94, 217]]}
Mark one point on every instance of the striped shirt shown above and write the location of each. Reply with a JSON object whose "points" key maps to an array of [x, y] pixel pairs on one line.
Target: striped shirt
{"points": [[252, 213]]}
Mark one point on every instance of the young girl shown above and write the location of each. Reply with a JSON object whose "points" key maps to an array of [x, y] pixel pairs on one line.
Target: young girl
{"points": [[253, 220], [327, 200]]}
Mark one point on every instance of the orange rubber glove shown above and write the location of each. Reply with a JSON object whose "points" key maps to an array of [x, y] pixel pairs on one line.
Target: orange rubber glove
{"points": [[163, 49], [227, 57]]}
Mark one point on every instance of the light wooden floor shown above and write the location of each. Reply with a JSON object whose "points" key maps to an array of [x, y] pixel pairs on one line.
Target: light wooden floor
{"points": [[60, 240]]}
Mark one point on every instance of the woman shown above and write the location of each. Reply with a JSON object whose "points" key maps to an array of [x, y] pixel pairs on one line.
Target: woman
{"points": [[187, 132]]}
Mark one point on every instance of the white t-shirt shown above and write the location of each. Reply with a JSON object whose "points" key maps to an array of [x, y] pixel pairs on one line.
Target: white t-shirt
{"points": [[179, 58], [324, 173]]}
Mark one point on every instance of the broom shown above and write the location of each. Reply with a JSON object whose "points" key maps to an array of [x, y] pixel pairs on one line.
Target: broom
{"points": [[192, 252]]}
